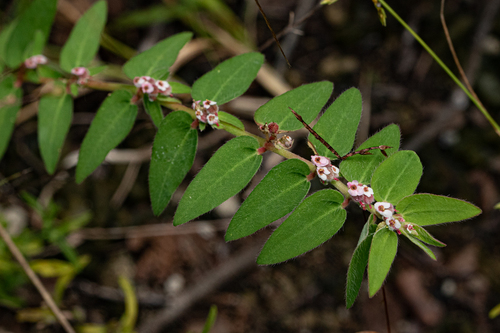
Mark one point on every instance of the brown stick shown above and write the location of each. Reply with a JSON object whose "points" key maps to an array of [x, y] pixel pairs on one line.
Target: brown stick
{"points": [[35, 280], [386, 311], [454, 54]]}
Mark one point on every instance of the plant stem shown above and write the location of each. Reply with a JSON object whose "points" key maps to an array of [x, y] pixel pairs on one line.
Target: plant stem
{"points": [[35, 280], [446, 69]]}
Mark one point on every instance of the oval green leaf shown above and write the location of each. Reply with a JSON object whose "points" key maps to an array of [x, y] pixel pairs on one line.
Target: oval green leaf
{"points": [[10, 103], [362, 167], [339, 123], [397, 177], [153, 109], [157, 61], [38, 16], [356, 270], [179, 88], [229, 79], [54, 120], [281, 190], [382, 253], [430, 209], [111, 124], [424, 236], [173, 154], [83, 42], [307, 100], [315, 220], [228, 118], [225, 174]]}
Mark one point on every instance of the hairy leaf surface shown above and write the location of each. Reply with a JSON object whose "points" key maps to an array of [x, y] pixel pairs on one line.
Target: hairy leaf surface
{"points": [[382, 252], [356, 270], [339, 123], [281, 190], [225, 174], [229, 79], [54, 120], [173, 154], [111, 125], [397, 177], [315, 220], [83, 42], [307, 100], [429, 209]]}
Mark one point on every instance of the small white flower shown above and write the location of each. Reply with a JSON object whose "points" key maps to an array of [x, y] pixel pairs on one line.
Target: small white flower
{"points": [[40, 59], [393, 224], [213, 119], [323, 173], [355, 188], [208, 103], [162, 85], [385, 209]]}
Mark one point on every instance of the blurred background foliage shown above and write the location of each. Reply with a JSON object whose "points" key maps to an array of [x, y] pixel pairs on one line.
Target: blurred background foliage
{"points": [[81, 238]]}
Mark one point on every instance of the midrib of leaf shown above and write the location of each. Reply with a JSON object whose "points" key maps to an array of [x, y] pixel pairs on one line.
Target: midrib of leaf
{"points": [[175, 156], [310, 225], [80, 51], [113, 123], [219, 181], [396, 180], [57, 117], [152, 68], [223, 85]]}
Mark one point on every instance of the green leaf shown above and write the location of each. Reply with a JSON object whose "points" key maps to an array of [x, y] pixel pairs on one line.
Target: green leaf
{"points": [[382, 252], [35, 47], [111, 124], [429, 209], [356, 270], [424, 236], [281, 190], [419, 244], [315, 220], [45, 71], [173, 154], [362, 167], [96, 70], [153, 109], [339, 123], [229, 79], [179, 88], [494, 312], [368, 228], [157, 61], [230, 119], [225, 174], [209, 323], [10, 103], [397, 176], [5, 36], [54, 120], [306, 100], [38, 16], [83, 42]]}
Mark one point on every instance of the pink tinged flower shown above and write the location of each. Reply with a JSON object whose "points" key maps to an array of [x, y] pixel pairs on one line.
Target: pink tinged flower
{"points": [[80, 71], [208, 103], [334, 171], [213, 119], [163, 87], [320, 161], [138, 81], [30, 63], [355, 189], [147, 88], [40, 59], [196, 105], [323, 174], [393, 224], [201, 116], [385, 209]]}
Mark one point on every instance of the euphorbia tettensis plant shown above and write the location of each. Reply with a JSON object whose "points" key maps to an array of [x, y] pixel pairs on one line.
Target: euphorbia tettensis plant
{"points": [[376, 176]]}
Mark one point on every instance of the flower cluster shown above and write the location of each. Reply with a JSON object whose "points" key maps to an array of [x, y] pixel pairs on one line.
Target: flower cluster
{"points": [[82, 73], [34, 61], [324, 168], [393, 221], [361, 193], [152, 87], [207, 112]]}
